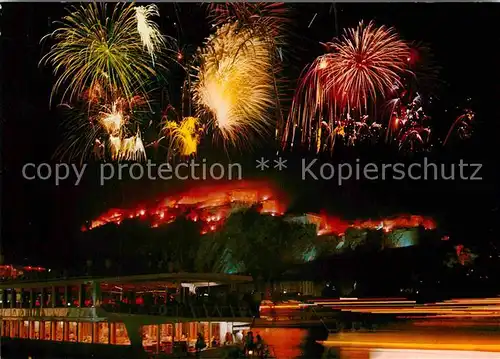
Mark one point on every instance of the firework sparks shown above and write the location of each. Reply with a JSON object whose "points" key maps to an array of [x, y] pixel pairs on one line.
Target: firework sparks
{"points": [[128, 149], [311, 104], [415, 136], [235, 83], [150, 34], [186, 135], [113, 121], [95, 125], [93, 49], [408, 122], [264, 18], [116, 120]]}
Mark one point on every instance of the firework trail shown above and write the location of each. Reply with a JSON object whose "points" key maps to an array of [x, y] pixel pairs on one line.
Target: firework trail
{"points": [[93, 49], [148, 30], [234, 84], [415, 137], [312, 105], [463, 124], [367, 62]]}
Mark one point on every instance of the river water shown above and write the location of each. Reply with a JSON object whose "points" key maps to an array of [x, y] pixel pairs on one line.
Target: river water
{"points": [[402, 344], [449, 343], [293, 343]]}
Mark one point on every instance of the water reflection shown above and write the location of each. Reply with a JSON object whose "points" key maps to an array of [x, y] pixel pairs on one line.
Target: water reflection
{"points": [[426, 354], [295, 343], [404, 344], [288, 343], [310, 348], [285, 342]]}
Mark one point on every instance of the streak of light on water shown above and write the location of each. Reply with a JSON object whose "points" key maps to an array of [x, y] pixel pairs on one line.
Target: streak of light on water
{"points": [[429, 354]]}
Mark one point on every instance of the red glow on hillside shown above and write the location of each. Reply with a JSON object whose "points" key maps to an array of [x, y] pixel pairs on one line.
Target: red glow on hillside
{"points": [[212, 204], [8, 271], [334, 225]]}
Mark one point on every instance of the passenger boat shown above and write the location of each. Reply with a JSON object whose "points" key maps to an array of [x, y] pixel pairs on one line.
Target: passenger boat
{"points": [[155, 314]]}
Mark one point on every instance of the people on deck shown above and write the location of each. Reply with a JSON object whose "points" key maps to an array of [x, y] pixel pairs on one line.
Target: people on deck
{"points": [[239, 337], [260, 347], [215, 343], [200, 345], [228, 340], [249, 343]]}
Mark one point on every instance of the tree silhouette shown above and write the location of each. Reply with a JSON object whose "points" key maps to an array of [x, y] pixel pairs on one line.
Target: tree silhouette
{"points": [[259, 244], [177, 243]]}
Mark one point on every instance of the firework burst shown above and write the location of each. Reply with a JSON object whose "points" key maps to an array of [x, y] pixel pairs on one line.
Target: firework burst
{"points": [[93, 49], [366, 63], [95, 127], [234, 83], [127, 148], [267, 21], [408, 123], [185, 136]]}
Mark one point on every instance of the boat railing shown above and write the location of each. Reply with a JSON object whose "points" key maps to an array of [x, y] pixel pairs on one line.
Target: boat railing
{"points": [[183, 310]]}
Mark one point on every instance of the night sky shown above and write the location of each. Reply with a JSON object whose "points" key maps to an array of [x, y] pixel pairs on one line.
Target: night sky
{"points": [[40, 221]]}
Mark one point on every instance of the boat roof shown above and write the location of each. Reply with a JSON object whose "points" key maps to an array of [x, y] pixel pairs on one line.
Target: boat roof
{"points": [[148, 281]]}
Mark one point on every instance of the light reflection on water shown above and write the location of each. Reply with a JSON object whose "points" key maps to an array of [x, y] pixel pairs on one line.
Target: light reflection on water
{"points": [[288, 343], [301, 344], [430, 354]]}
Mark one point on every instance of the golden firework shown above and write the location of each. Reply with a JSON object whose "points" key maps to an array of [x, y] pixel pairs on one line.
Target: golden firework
{"points": [[150, 34], [235, 83], [186, 135], [96, 125], [267, 21], [128, 148], [93, 49]]}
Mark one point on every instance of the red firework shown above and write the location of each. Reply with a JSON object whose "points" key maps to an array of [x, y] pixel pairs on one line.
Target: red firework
{"points": [[367, 61]]}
